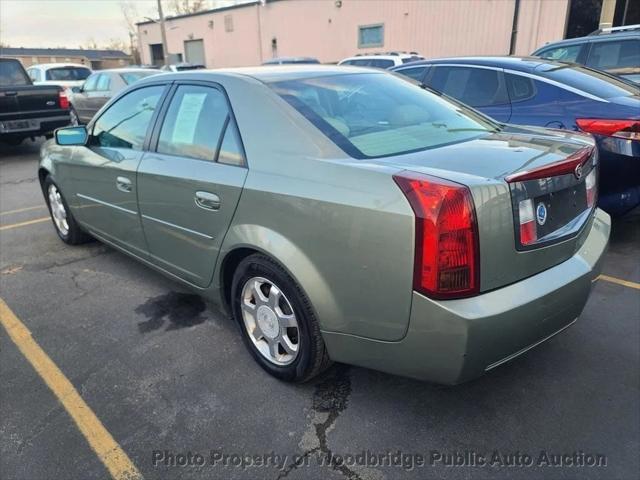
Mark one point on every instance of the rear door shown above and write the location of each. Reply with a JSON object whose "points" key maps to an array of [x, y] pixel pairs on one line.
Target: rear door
{"points": [[104, 172], [188, 188], [482, 88], [80, 100]]}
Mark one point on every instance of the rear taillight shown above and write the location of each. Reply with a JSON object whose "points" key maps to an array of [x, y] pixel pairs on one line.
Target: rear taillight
{"points": [[447, 254], [591, 187], [528, 233], [627, 129], [561, 167], [63, 100]]}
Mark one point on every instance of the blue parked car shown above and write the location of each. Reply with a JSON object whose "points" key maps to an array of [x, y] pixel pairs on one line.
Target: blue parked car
{"points": [[547, 93]]}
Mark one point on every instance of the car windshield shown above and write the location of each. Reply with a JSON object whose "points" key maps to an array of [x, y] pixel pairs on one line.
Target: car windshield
{"points": [[130, 77], [590, 81], [68, 73], [375, 115]]}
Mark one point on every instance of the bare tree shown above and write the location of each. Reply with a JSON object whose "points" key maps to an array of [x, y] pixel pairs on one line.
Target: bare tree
{"points": [[181, 7], [130, 13]]}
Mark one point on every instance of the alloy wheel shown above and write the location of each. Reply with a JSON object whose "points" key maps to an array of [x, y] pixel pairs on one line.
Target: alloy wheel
{"points": [[270, 321], [58, 211]]}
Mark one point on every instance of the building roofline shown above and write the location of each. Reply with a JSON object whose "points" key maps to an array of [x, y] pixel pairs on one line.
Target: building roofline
{"points": [[205, 12]]}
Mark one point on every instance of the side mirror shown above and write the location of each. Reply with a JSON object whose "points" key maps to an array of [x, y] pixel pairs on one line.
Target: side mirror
{"points": [[70, 136], [76, 89]]}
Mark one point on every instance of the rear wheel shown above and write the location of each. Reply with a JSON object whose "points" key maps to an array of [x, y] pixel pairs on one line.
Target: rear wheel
{"points": [[66, 226], [277, 323]]}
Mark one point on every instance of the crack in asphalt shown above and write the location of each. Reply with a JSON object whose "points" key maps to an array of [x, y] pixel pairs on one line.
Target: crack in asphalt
{"points": [[330, 399]]}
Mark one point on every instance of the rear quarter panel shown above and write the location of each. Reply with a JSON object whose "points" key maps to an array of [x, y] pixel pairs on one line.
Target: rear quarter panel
{"points": [[342, 228]]}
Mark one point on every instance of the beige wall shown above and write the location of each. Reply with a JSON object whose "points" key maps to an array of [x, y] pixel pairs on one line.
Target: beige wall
{"points": [[320, 29]]}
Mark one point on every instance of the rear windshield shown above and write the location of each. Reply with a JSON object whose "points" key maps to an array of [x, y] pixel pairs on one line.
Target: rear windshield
{"points": [[12, 73], [376, 115], [130, 77], [590, 81], [68, 73]]}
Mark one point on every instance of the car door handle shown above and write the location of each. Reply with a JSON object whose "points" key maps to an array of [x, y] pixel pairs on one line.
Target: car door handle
{"points": [[208, 201], [123, 184]]}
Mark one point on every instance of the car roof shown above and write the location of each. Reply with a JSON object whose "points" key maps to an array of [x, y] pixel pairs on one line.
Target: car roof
{"points": [[128, 70], [524, 64], [57, 65], [275, 73], [593, 37]]}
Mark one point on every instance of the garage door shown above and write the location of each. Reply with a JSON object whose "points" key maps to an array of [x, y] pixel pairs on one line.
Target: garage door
{"points": [[194, 51]]}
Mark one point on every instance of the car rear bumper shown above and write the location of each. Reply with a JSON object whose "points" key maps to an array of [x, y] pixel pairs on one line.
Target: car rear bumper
{"points": [[33, 127], [619, 175], [456, 340]]}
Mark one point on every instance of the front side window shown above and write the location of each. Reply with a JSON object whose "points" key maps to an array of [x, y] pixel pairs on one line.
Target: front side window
{"points": [[566, 53], [375, 114], [614, 55], [90, 84], [194, 122], [68, 73], [477, 87], [417, 73], [125, 123], [371, 36]]}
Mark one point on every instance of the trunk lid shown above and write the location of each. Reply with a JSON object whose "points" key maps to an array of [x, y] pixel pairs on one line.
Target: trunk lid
{"points": [[519, 176]]}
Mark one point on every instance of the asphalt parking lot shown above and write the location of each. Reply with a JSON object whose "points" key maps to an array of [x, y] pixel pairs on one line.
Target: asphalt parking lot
{"points": [[167, 376]]}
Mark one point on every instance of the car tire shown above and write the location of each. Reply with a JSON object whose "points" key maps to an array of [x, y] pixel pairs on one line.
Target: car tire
{"points": [[63, 221], [74, 119], [300, 353]]}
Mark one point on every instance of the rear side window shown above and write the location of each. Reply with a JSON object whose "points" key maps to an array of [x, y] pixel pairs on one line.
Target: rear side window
{"points": [[382, 63], [130, 77], [125, 123], [477, 87], [614, 55], [194, 122], [565, 53], [417, 73], [67, 73], [12, 73], [520, 88], [34, 74], [231, 152]]}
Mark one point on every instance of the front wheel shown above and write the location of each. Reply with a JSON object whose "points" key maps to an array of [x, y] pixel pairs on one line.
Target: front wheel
{"points": [[277, 323], [66, 226]]}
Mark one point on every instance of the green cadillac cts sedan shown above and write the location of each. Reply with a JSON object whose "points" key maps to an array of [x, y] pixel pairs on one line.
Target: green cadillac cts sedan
{"points": [[340, 214]]}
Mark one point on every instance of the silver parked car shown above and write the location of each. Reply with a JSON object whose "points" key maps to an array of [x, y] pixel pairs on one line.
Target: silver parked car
{"points": [[99, 88]]}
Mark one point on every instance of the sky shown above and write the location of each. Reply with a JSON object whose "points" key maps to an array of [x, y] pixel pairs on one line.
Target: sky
{"points": [[72, 23]]}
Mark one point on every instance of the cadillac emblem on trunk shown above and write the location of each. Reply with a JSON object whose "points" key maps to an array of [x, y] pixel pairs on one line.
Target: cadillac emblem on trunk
{"points": [[541, 213]]}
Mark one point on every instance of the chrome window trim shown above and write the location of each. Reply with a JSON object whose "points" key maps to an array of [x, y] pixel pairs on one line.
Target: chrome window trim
{"points": [[106, 204], [178, 227], [528, 75]]}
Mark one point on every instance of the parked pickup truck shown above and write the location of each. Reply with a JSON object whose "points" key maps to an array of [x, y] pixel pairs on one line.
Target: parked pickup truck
{"points": [[27, 110]]}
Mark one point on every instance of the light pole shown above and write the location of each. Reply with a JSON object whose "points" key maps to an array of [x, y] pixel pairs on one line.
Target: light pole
{"points": [[163, 32]]}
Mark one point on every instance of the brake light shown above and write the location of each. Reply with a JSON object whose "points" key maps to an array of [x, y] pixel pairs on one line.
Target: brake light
{"points": [[528, 234], [63, 100], [591, 187], [627, 129], [447, 253], [561, 167]]}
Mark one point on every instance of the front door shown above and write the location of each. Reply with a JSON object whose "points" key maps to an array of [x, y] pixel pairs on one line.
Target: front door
{"points": [[105, 170], [188, 188]]}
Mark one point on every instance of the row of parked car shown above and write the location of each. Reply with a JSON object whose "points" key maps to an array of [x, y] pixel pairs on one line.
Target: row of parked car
{"points": [[551, 90]]}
